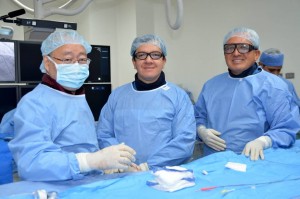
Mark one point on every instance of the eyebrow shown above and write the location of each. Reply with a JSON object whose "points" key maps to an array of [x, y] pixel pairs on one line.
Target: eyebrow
{"points": [[72, 53]]}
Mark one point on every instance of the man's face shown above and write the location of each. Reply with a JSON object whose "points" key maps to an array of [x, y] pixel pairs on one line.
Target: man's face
{"points": [[148, 69], [238, 62], [272, 69], [72, 52], [67, 51]]}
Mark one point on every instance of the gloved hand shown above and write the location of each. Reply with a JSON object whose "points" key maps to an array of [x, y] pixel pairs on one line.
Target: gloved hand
{"points": [[211, 139], [255, 148], [132, 168], [111, 171], [112, 157]]}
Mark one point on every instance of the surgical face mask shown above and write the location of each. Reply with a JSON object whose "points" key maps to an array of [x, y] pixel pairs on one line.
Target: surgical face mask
{"points": [[71, 75]]}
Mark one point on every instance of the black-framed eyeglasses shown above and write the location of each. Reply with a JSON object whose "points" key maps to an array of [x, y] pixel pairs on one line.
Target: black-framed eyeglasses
{"points": [[71, 61], [241, 47], [143, 55]]}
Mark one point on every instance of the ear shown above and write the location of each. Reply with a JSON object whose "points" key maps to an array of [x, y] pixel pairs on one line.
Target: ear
{"points": [[165, 61], [47, 63], [134, 63], [257, 54]]}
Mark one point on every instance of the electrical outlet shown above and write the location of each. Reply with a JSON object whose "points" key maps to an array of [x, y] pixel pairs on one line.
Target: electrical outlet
{"points": [[289, 75]]}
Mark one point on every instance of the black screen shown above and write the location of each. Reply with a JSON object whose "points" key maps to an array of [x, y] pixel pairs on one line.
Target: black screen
{"points": [[96, 96], [8, 99], [7, 61], [100, 64], [30, 59]]}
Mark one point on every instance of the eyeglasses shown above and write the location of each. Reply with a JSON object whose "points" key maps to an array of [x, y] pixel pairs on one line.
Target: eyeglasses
{"points": [[144, 55], [241, 47], [71, 61]]}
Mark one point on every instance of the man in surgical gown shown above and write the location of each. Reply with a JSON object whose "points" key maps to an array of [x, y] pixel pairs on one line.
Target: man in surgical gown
{"points": [[151, 115], [271, 60], [55, 134], [246, 109]]}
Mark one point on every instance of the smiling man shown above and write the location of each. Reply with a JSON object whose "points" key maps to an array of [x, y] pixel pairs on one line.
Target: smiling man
{"points": [[151, 115], [246, 109]]}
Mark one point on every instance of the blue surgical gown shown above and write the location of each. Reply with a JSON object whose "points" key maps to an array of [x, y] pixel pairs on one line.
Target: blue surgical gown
{"points": [[50, 128], [7, 125], [159, 124], [292, 90], [243, 109]]}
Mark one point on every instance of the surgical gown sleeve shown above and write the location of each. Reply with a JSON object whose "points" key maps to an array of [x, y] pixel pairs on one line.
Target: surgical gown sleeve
{"points": [[50, 127], [282, 114], [7, 124], [200, 111], [292, 90], [180, 148]]}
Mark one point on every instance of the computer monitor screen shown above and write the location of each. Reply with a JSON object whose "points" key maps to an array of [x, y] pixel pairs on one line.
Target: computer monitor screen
{"points": [[96, 96], [30, 59], [100, 64], [7, 61], [8, 99]]}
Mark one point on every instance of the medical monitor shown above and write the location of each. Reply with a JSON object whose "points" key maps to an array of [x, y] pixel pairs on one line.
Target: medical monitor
{"points": [[8, 99], [29, 60], [8, 66], [96, 96], [100, 64]]}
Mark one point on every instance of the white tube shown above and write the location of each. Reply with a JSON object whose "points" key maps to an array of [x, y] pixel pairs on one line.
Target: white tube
{"points": [[68, 12], [179, 16], [39, 11], [23, 6]]}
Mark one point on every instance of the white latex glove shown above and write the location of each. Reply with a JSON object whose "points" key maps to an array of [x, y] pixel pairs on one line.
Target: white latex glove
{"points": [[112, 157], [144, 166], [132, 168], [255, 148], [111, 171], [211, 138]]}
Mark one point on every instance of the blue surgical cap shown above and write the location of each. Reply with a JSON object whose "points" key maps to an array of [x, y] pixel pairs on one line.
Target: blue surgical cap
{"points": [[148, 39], [272, 57], [60, 38], [245, 33]]}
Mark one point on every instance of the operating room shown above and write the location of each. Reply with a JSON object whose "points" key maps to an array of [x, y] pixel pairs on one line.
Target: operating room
{"points": [[195, 48], [195, 45]]}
